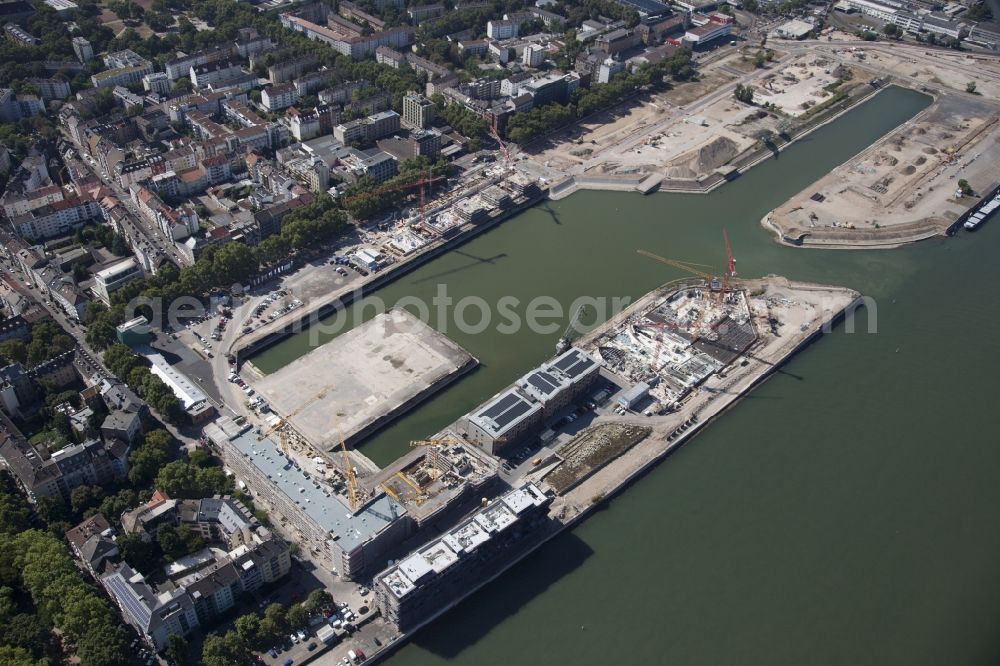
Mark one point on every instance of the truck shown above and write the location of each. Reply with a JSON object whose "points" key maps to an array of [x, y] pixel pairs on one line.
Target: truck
{"points": [[326, 634]]}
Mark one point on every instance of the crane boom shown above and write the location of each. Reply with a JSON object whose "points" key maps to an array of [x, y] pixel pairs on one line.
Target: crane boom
{"points": [[503, 146], [730, 262], [688, 266], [352, 483]]}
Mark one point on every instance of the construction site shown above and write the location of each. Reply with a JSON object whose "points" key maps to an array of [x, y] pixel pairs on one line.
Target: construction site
{"points": [[673, 347], [571, 474], [905, 187], [690, 138]]}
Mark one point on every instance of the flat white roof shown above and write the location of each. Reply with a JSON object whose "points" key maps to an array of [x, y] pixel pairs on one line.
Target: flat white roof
{"points": [[496, 518], [182, 387], [466, 538], [116, 269], [520, 499]]}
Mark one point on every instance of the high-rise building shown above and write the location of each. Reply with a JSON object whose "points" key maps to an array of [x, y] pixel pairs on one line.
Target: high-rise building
{"points": [[533, 56], [418, 111], [84, 51]]}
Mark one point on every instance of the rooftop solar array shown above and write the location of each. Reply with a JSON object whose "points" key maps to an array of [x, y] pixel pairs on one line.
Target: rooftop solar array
{"points": [[502, 405], [128, 597], [506, 409], [646, 6], [544, 382], [574, 363]]}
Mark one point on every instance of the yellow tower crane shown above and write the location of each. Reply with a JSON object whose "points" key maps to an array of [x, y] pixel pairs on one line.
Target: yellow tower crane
{"points": [[352, 483], [433, 442], [690, 267]]}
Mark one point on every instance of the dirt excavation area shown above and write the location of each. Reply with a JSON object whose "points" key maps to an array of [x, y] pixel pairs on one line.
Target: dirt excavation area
{"points": [[953, 69], [695, 129], [903, 188], [692, 146], [806, 82], [687, 137]]}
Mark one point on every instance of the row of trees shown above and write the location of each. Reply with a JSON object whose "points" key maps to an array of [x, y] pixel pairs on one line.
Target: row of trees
{"points": [[132, 370], [369, 198], [525, 127], [255, 633], [217, 267], [462, 120]]}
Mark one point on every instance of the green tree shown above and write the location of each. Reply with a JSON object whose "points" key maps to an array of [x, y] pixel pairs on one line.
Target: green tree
{"points": [[317, 600], [18, 656], [275, 622], [178, 651], [970, 87], [14, 351], [224, 650], [182, 480], [298, 616], [28, 632], [744, 93], [8, 606], [143, 556], [113, 506], [249, 629], [84, 497], [120, 360], [51, 509]]}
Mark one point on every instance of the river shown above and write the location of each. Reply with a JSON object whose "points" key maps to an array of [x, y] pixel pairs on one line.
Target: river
{"points": [[844, 513]]}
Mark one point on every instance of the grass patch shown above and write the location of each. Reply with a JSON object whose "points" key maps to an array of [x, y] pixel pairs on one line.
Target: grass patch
{"points": [[591, 450]]}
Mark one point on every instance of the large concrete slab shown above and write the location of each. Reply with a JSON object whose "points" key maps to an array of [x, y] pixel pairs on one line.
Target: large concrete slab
{"points": [[364, 378]]}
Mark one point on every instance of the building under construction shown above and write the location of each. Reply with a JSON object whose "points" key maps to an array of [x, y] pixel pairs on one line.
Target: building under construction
{"points": [[438, 480], [680, 341], [354, 531]]}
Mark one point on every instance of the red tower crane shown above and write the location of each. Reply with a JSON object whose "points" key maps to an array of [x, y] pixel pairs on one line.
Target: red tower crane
{"points": [[422, 182], [730, 264], [503, 146]]}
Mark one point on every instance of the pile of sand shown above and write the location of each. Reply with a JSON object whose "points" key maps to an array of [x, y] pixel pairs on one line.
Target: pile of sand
{"points": [[704, 160]]}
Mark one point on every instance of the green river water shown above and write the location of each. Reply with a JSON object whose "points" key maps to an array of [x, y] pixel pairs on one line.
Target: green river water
{"points": [[844, 513]]}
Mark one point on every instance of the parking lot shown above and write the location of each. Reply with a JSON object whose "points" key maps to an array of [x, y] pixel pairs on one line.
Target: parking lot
{"points": [[563, 428]]}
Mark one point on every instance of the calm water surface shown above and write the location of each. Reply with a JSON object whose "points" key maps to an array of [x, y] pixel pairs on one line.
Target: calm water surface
{"points": [[845, 513]]}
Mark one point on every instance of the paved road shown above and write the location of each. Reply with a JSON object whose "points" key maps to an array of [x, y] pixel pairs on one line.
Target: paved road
{"points": [[151, 233]]}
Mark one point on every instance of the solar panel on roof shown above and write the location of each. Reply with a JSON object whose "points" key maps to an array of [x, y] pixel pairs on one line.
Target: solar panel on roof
{"points": [[500, 406], [543, 382], [125, 594], [579, 368], [566, 361], [513, 413]]}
